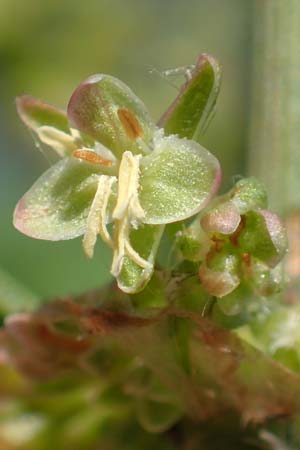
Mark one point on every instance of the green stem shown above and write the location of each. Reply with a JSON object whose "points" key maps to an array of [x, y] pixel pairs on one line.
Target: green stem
{"points": [[274, 154]]}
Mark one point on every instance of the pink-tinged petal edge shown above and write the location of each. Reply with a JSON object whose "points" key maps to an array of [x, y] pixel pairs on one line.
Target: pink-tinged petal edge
{"points": [[24, 101], [18, 218], [277, 232], [74, 120]]}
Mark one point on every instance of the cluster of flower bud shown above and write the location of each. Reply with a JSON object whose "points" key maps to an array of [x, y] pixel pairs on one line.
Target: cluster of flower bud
{"points": [[237, 242]]}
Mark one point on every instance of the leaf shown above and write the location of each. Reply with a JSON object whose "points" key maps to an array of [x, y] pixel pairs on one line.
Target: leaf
{"points": [[145, 240], [14, 297], [155, 416], [177, 180], [106, 109], [189, 114], [57, 205], [153, 296], [264, 237], [227, 374]]}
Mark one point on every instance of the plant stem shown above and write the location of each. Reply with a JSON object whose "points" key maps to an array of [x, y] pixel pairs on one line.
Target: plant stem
{"points": [[274, 153]]}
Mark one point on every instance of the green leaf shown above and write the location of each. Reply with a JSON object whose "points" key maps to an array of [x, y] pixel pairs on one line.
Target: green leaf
{"points": [[153, 296], [177, 180], [264, 237], [14, 297], [57, 205], [107, 110], [227, 374], [278, 335], [144, 240], [190, 112], [288, 357], [156, 416]]}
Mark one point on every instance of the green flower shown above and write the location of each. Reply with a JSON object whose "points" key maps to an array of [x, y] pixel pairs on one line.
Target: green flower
{"points": [[119, 176], [247, 242]]}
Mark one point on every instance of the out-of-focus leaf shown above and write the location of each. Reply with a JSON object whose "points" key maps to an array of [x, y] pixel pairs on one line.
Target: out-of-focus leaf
{"points": [[158, 408], [153, 296], [227, 374], [106, 109], [14, 297], [278, 335], [177, 180], [190, 112], [155, 416], [57, 205]]}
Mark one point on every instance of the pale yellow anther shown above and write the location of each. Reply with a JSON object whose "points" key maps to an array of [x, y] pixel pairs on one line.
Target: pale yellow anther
{"points": [[97, 218], [128, 184], [121, 233], [128, 211]]}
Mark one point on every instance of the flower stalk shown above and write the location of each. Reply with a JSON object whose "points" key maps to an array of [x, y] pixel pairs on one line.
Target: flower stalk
{"points": [[274, 155]]}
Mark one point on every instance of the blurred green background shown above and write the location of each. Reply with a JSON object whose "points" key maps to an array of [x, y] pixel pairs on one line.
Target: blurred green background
{"points": [[48, 47]]}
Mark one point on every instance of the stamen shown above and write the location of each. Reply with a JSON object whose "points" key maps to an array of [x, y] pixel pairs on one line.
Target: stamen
{"points": [[130, 124], [76, 134], [121, 232], [62, 142], [124, 248], [92, 157], [136, 258], [127, 212], [96, 221], [128, 188]]}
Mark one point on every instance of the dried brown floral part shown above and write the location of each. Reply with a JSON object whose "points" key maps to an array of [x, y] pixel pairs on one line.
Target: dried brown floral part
{"points": [[226, 373]]}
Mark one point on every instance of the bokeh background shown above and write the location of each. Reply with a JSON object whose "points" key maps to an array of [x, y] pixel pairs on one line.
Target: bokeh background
{"points": [[48, 47]]}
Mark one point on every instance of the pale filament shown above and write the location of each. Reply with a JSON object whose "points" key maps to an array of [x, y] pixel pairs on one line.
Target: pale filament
{"points": [[124, 248], [62, 142], [97, 218], [127, 201], [127, 210]]}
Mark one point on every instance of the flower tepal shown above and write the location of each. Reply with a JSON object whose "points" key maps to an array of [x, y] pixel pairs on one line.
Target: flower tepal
{"points": [[117, 167]]}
